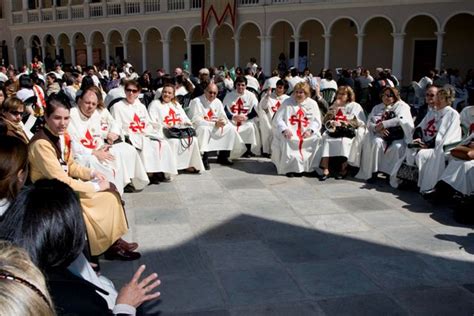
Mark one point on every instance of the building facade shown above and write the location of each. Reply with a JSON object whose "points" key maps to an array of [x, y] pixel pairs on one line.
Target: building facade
{"points": [[410, 37]]}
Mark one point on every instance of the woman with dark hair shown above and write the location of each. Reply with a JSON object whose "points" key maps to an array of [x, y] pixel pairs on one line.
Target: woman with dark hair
{"points": [[50, 158], [52, 84], [46, 220], [13, 169], [390, 128], [345, 129], [12, 111], [167, 113], [268, 106], [136, 125], [97, 143]]}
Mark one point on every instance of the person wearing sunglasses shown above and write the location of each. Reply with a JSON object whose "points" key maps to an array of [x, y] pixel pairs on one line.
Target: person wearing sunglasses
{"points": [[137, 127], [12, 111], [430, 100], [390, 127]]}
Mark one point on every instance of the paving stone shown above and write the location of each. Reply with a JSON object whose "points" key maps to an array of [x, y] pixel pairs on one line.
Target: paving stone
{"points": [[300, 309], [229, 231], [293, 192], [385, 219], [392, 272], [267, 209], [454, 268], [337, 223], [191, 293], [367, 305], [250, 196], [198, 186], [436, 301], [316, 207], [150, 216], [241, 183], [258, 286], [239, 255], [361, 204], [332, 278]]}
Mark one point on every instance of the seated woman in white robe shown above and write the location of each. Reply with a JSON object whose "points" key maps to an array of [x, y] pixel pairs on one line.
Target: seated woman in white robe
{"points": [[343, 115], [97, 143], [167, 113], [240, 107], [266, 109], [296, 133], [390, 129], [213, 128], [438, 128], [135, 124]]}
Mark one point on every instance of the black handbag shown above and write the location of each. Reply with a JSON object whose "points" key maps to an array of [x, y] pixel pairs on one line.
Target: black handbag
{"points": [[343, 131], [184, 134], [394, 133], [408, 173]]}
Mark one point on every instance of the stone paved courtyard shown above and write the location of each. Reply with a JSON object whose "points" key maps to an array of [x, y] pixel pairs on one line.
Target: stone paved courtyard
{"points": [[241, 240]]}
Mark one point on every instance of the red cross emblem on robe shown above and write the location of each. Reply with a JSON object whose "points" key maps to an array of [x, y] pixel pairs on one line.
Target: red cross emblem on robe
{"points": [[301, 121], [238, 108], [136, 125], [276, 106], [209, 116], [430, 129], [88, 141], [171, 119], [340, 116]]}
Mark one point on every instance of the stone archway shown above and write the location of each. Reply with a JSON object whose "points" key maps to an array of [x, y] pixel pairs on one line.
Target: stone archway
{"points": [[312, 32], [249, 44], [154, 49], [343, 44], [177, 38], [378, 39], [455, 53], [281, 33]]}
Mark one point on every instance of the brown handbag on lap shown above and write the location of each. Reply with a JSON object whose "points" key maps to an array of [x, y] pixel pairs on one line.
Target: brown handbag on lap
{"points": [[462, 152]]}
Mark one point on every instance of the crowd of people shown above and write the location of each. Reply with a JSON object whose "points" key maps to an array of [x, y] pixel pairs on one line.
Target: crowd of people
{"points": [[80, 138]]}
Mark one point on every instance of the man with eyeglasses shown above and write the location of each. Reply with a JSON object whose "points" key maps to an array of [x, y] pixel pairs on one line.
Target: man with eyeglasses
{"points": [[240, 107], [213, 128], [430, 100]]}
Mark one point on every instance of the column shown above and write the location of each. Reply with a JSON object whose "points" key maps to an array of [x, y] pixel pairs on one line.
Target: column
{"points": [[73, 54], [267, 69], [397, 59], [125, 50], [166, 55], [237, 51], [439, 49], [107, 53], [15, 57], [296, 51], [144, 42], [212, 48], [360, 48], [327, 49], [188, 53], [89, 54], [29, 55]]}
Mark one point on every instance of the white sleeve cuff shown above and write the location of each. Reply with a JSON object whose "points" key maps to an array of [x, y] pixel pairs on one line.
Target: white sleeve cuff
{"points": [[124, 309]]}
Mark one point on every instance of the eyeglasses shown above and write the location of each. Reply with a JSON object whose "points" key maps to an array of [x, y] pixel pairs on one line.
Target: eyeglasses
{"points": [[430, 95], [16, 113], [131, 90], [388, 95], [11, 277], [212, 92]]}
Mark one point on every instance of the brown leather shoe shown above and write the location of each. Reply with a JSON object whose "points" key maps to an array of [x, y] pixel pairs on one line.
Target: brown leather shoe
{"points": [[129, 246], [115, 252]]}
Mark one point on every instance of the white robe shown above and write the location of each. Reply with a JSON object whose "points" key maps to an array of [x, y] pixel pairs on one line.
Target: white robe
{"points": [[204, 115], [467, 119], [171, 114], [88, 134], [376, 156], [243, 104], [460, 173], [445, 127], [154, 150], [266, 109], [347, 147], [297, 154]]}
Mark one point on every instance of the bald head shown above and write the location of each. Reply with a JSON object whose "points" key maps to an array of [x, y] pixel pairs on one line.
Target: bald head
{"points": [[211, 92]]}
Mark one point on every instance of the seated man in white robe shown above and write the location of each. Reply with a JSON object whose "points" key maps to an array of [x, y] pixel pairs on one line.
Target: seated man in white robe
{"points": [[97, 143], [213, 128], [267, 108], [240, 107], [296, 133], [439, 127]]}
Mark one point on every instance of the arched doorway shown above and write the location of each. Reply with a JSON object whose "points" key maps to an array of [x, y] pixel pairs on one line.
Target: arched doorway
{"points": [[116, 47], [177, 47], [199, 49], [249, 44], [154, 49], [64, 48], [455, 54], [134, 49], [224, 46], [311, 36], [98, 48], [81, 50], [20, 56], [378, 44], [343, 44], [281, 34]]}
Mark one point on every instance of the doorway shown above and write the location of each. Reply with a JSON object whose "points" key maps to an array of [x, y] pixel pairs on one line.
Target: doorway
{"points": [[424, 58], [303, 55], [198, 58]]}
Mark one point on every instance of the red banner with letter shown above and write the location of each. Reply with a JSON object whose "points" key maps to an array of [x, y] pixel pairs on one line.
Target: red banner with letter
{"points": [[218, 8]]}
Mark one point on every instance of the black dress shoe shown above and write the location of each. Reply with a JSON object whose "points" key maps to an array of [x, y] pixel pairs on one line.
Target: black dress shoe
{"points": [[116, 252], [206, 165], [154, 179], [129, 188], [324, 177], [225, 162]]}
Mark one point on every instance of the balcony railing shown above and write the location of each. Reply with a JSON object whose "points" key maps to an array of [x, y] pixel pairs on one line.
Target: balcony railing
{"points": [[127, 7]]}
